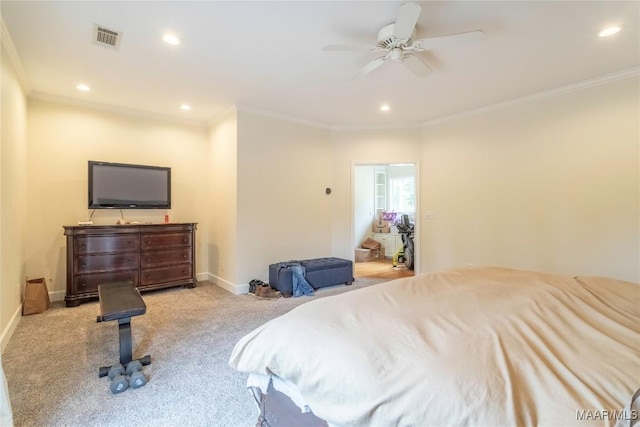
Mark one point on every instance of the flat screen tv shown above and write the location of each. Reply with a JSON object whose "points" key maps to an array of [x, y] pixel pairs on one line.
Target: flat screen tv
{"points": [[124, 186]]}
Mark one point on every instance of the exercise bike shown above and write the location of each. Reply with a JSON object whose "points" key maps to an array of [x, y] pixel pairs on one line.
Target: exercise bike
{"points": [[406, 253]]}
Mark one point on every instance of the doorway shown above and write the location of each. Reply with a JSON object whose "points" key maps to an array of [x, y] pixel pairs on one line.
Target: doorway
{"points": [[384, 190]]}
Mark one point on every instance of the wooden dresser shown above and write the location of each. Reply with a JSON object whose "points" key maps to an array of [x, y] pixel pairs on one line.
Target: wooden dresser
{"points": [[152, 256]]}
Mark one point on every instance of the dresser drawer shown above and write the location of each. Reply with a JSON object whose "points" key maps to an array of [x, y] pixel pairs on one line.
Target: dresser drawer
{"points": [[164, 240], [106, 262], [163, 258], [101, 244], [89, 282], [166, 274]]}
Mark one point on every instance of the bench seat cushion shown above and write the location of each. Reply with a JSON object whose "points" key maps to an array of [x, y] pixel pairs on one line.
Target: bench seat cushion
{"points": [[120, 300]]}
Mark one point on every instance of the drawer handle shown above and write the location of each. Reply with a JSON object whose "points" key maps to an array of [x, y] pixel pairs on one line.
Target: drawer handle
{"points": [[184, 240], [146, 242], [184, 256], [83, 285], [83, 264], [83, 246], [148, 259]]}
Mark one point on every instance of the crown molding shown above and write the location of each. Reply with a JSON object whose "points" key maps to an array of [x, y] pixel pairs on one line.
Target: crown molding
{"points": [[222, 115], [585, 84], [260, 112], [7, 42], [380, 126], [117, 110]]}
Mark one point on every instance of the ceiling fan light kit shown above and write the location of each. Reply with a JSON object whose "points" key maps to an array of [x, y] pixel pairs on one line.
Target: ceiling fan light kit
{"points": [[397, 41]]}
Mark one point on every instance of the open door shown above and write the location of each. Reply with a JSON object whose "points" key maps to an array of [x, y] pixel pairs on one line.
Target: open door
{"points": [[389, 192]]}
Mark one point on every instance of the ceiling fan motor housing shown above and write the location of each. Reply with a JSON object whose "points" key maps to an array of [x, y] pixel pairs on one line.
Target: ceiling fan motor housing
{"points": [[386, 39]]}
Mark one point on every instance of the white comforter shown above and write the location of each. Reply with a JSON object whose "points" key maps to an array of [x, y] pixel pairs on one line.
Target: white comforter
{"points": [[482, 346]]}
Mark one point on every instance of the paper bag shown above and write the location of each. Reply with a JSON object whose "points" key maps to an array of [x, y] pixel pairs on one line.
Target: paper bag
{"points": [[36, 297]]}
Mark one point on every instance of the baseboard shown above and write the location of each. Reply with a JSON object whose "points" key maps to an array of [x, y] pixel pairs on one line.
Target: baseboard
{"points": [[57, 295], [204, 276], [11, 327], [224, 284]]}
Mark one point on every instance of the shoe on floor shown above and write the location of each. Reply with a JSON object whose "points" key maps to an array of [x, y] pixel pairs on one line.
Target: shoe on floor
{"points": [[266, 292], [254, 284]]}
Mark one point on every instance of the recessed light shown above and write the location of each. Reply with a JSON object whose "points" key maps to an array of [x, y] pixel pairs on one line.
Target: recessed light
{"points": [[385, 107], [83, 87], [171, 39], [609, 31], [185, 107]]}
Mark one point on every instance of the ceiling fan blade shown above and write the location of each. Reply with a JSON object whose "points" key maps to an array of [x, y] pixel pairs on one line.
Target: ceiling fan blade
{"points": [[416, 65], [406, 22], [436, 42], [370, 67], [349, 47]]}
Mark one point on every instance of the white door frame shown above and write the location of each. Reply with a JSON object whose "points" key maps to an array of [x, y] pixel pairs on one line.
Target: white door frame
{"points": [[416, 234]]}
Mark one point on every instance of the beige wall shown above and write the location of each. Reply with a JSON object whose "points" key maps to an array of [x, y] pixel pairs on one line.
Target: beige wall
{"points": [[63, 138], [13, 187], [283, 211], [222, 201], [551, 185]]}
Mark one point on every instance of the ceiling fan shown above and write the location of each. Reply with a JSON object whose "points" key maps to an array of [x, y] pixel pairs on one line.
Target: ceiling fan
{"points": [[397, 43]]}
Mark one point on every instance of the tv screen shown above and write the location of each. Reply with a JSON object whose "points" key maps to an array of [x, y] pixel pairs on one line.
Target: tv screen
{"points": [[123, 186]]}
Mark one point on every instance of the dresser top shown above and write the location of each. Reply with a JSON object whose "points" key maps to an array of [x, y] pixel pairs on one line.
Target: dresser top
{"points": [[128, 228]]}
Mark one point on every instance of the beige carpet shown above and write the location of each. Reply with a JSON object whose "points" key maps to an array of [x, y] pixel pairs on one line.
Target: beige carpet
{"points": [[51, 362]]}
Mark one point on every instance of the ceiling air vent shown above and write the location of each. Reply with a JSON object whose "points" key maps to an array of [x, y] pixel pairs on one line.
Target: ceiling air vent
{"points": [[106, 37]]}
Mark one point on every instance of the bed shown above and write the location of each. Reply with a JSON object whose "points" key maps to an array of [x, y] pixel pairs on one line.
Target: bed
{"points": [[477, 346]]}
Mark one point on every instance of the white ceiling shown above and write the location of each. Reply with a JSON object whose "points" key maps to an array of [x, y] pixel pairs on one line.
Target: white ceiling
{"points": [[266, 55]]}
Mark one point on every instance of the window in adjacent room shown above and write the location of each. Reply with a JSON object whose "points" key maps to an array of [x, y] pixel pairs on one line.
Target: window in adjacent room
{"points": [[401, 194]]}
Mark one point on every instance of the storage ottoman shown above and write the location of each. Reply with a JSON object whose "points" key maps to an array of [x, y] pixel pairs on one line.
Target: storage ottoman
{"points": [[320, 272]]}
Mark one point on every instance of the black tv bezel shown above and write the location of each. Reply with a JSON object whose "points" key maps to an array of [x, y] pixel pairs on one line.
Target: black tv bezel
{"points": [[93, 163]]}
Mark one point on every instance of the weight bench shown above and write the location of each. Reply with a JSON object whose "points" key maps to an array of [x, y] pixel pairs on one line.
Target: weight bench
{"points": [[121, 301]]}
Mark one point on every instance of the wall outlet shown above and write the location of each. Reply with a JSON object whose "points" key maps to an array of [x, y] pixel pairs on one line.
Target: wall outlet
{"points": [[222, 266]]}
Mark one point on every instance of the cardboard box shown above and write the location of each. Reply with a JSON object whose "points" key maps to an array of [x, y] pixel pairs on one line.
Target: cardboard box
{"points": [[381, 226], [363, 255], [377, 254]]}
